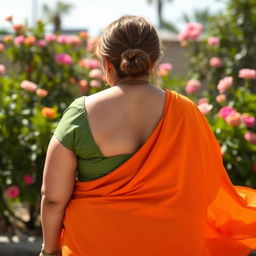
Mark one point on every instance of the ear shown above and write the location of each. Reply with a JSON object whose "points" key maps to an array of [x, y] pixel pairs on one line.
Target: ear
{"points": [[107, 64], [153, 65]]}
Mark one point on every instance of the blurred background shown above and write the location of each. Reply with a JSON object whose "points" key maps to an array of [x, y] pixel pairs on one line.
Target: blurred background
{"points": [[47, 60]]}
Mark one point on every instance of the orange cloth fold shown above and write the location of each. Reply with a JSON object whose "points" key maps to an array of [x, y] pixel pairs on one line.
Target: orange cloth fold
{"points": [[172, 197]]}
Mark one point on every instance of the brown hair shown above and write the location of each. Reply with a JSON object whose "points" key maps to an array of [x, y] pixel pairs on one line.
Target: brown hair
{"points": [[131, 44]]}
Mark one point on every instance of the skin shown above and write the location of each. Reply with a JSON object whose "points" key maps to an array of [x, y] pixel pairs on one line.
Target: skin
{"points": [[126, 130]]}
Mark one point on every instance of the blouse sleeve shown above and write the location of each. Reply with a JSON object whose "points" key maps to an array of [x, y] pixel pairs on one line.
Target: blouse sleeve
{"points": [[68, 125]]}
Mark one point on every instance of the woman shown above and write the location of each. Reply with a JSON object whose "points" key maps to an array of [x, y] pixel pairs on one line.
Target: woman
{"points": [[136, 170]]}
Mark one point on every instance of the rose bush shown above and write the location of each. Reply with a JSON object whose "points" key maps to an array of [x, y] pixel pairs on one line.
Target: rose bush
{"points": [[40, 74], [222, 69]]}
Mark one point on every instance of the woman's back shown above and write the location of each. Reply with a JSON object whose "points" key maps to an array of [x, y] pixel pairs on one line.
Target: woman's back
{"points": [[121, 118]]}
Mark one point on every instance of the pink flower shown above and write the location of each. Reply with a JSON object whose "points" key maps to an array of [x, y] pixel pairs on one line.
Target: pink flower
{"points": [[192, 86], [247, 73], [75, 40], [83, 85], [220, 98], [216, 62], [41, 43], [213, 40], [226, 111], [50, 37], [191, 32], [250, 136], [164, 69], [63, 59], [89, 63], [249, 121], [28, 179], [96, 73], [41, 92], [17, 27], [205, 108], [12, 192], [18, 40], [28, 86], [2, 69], [234, 119], [95, 83], [1, 47], [254, 167], [202, 100], [91, 44], [225, 84], [63, 39]]}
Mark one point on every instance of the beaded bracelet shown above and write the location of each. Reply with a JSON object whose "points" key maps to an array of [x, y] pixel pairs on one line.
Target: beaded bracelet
{"points": [[44, 253]]}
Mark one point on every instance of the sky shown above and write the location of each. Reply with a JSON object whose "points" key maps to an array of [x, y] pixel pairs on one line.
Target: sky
{"points": [[94, 15]]}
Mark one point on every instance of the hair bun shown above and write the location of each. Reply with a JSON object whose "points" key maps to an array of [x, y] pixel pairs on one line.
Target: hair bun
{"points": [[135, 62]]}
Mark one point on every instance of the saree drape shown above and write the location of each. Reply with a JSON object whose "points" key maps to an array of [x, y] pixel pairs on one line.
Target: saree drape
{"points": [[173, 197]]}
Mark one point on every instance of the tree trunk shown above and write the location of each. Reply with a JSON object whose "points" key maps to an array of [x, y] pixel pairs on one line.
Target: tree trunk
{"points": [[57, 23], [160, 13]]}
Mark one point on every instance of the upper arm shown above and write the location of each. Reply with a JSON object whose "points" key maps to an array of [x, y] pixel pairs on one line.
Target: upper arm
{"points": [[59, 173]]}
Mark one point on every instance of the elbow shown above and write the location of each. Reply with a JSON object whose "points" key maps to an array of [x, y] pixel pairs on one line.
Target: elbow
{"points": [[53, 201]]}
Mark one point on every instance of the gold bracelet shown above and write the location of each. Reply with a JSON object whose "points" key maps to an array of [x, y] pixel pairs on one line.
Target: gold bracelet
{"points": [[44, 253]]}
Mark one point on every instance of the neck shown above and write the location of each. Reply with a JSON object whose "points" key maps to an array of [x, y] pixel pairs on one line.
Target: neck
{"points": [[133, 80]]}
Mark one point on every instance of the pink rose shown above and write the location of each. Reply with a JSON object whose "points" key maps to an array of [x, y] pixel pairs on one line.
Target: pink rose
{"points": [[205, 108], [63, 59], [2, 69], [12, 192], [192, 86], [164, 69], [250, 136], [254, 167], [96, 73], [50, 37], [30, 40], [95, 83], [18, 40], [91, 44], [17, 27], [41, 43], [1, 47], [83, 85], [249, 121], [247, 73], [63, 39], [28, 179], [226, 111], [225, 84], [213, 40], [28, 86], [234, 119], [89, 63], [221, 98], [191, 32], [75, 40], [216, 62], [41, 92], [202, 100]]}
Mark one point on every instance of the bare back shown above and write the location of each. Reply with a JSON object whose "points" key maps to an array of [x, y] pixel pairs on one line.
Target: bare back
{"points": [[121, 119]]}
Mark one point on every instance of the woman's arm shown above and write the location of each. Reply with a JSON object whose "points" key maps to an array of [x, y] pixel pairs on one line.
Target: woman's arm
{"points": [[58, 183]]}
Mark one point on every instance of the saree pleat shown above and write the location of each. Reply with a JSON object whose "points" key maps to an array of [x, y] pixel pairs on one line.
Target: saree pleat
{"points": [[172, 197]]}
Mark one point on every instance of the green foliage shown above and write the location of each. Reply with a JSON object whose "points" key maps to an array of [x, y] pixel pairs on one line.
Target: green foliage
{"points": [[28, 118], [235, 28]]}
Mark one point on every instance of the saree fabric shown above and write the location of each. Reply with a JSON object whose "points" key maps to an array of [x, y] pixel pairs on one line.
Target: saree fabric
{"points": [[173, 197]]}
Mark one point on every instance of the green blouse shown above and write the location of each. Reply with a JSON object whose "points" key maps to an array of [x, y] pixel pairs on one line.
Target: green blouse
{"points": [[74, 133]]}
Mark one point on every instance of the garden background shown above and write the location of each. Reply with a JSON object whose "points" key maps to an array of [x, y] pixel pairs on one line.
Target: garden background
{"points": [[42, 70]]}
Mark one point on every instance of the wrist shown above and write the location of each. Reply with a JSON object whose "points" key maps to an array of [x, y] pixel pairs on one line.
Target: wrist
{"points": [[45, 253]]}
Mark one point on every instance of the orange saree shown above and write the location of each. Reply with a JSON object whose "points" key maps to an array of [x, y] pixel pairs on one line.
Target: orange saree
{"points": [[172, 197]]}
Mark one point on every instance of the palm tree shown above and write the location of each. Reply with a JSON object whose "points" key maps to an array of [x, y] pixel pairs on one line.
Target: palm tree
{"points": [[162, 23], [54, 15]]}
